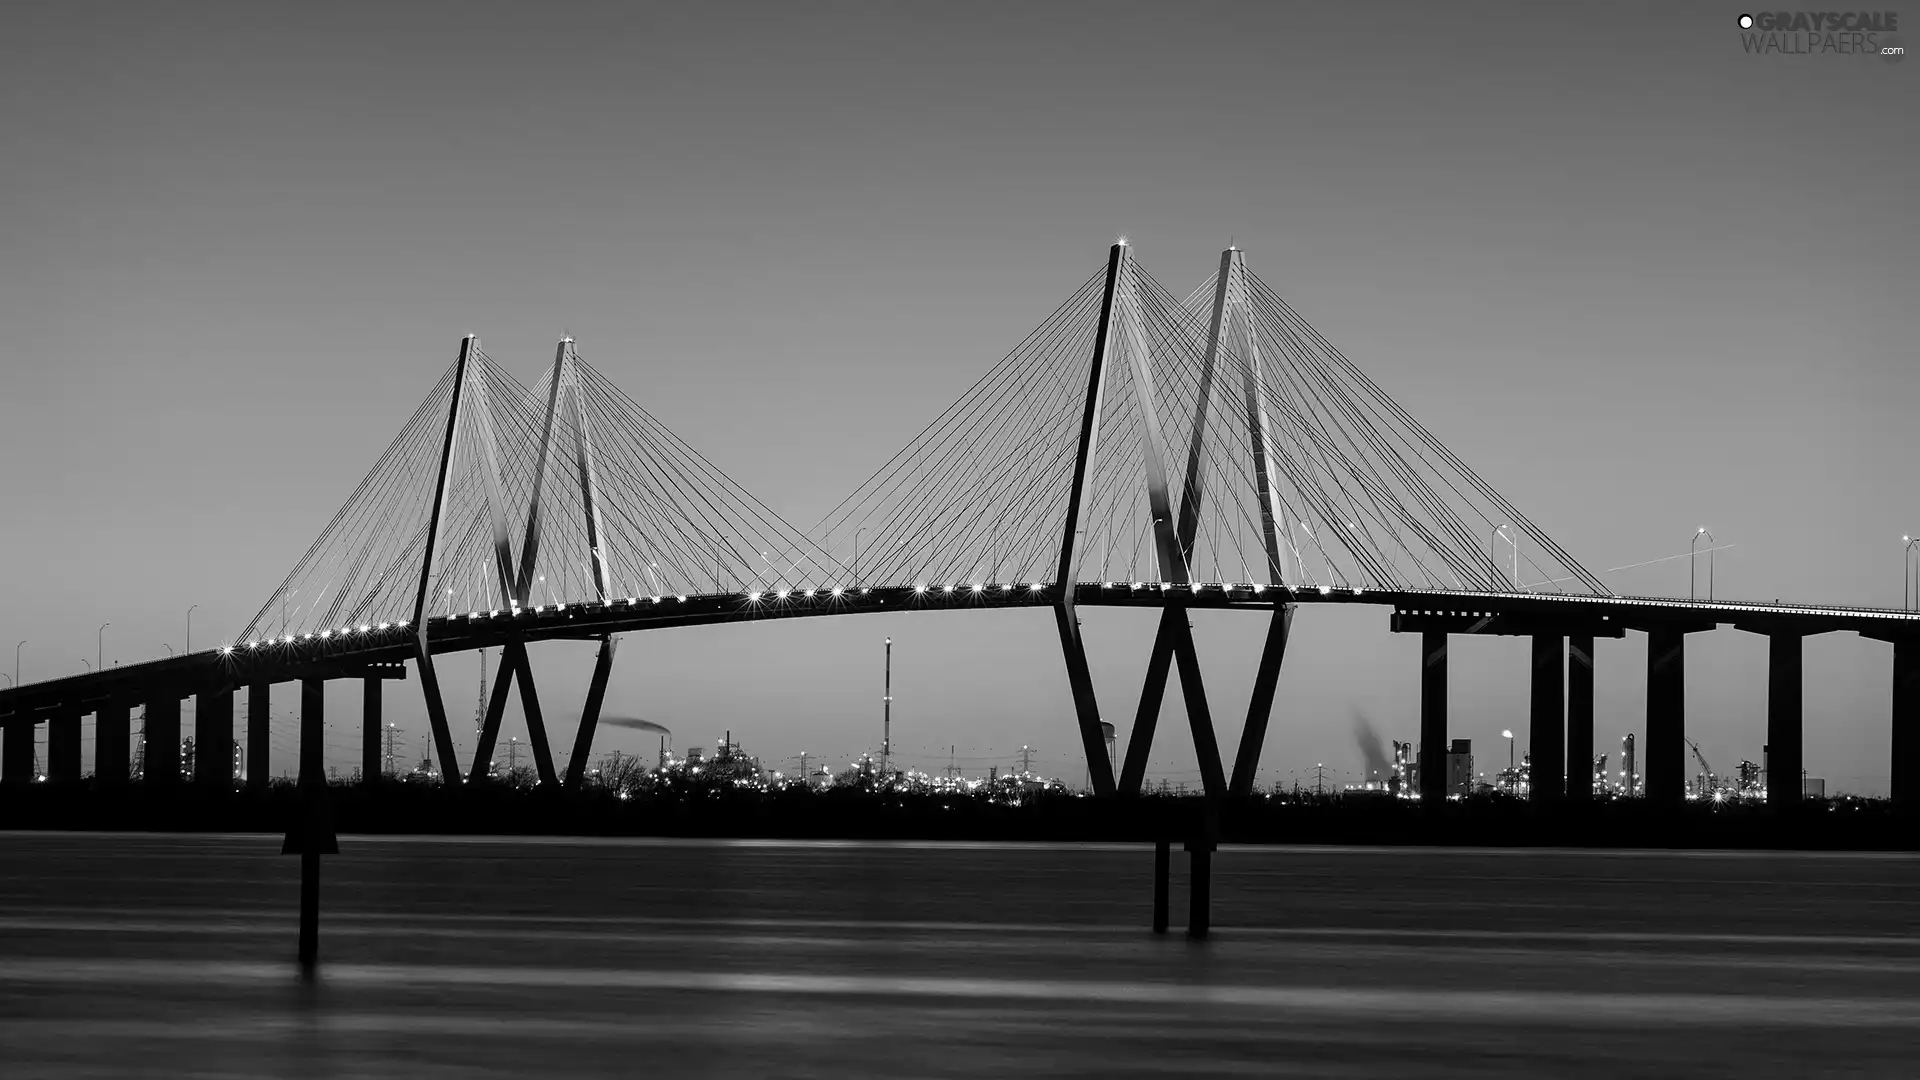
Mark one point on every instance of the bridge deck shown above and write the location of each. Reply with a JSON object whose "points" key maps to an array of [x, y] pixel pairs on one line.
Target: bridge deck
{"points": [[354, 651]]}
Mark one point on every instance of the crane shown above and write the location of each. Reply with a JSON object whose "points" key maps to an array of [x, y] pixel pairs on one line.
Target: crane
{"points": [[1712, 781]]}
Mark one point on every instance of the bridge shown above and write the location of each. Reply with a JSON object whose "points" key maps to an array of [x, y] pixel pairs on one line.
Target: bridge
{"points": [[1137, 449]]}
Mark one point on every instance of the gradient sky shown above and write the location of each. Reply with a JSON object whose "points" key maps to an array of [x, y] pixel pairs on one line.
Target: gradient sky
{"points": [[1642, 281]]}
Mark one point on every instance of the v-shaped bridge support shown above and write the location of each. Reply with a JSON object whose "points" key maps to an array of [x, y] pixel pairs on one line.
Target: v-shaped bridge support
{"points": [[471, 403], [1174, 640]]}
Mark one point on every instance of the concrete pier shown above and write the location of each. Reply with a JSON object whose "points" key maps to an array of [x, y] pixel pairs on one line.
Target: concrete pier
{"points": [[370, 734], [1785, 738], [213, 739], [1546, 731], [1580, 718], [162, 759], [112, 743], [1433, 717], [259, 735], [63, 745], [313, 733], [1666, 716]]}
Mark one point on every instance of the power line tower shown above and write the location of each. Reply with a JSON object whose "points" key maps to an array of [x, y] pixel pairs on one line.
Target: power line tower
{"points": [[886, 716], [480, 702], [802, 759], [953, 767], [392, 735], [1026, 760]]}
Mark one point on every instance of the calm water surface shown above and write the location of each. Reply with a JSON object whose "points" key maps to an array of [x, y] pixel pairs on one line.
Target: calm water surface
{"points": [[172, 956]]}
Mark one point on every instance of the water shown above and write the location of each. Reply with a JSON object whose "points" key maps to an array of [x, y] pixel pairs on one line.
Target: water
{"points": [[172, 955]]}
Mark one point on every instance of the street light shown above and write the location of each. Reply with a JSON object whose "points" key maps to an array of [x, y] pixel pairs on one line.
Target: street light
{"points": [[189, 645], [167, 647], [100, 645], [1909, 574], [1508, 735], [1698, 535], [83, 663], [16, 663]]}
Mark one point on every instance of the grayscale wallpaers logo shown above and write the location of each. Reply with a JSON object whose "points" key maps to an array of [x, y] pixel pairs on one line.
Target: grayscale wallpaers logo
{"points": [[1823, 33]]}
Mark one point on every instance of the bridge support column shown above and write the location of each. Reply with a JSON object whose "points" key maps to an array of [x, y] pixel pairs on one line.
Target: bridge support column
{"points": [[371, 771], [213, 739], [1906, 726], [259, 735], [1580, 718], [590, 715], [1546, 733], [16, 751], [1246, 761], [1785, 703], [161, 740], [112, 734], [63, 745], [1133, 770], [1433, 717], [1085, 707], [536, 723], [313, 733], [1666, 716]]}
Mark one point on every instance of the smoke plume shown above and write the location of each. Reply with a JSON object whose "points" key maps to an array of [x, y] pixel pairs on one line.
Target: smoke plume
{"points": [[1379, 765], [636, 723]]}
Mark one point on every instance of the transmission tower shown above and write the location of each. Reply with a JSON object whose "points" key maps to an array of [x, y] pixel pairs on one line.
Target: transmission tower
{"points": [[1026, 760], [392, 734]]}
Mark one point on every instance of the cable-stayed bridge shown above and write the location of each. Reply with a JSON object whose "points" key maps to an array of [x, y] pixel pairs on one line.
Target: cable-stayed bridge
{"points": [[1136, 449]]}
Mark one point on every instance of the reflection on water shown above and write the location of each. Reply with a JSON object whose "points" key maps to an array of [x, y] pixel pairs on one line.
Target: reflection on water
{"points": [[170, 955]]}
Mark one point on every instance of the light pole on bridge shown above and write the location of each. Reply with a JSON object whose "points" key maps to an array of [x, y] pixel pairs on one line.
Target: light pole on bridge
{"points": [[1909, 574], [189, 646], [1692, 557], [100, 646], [16, 662]]}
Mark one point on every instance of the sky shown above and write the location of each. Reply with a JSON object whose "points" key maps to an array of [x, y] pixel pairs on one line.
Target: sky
{"points": [[1641, 280]]}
